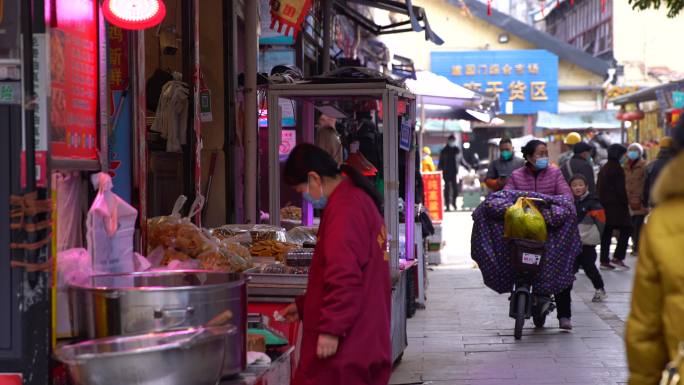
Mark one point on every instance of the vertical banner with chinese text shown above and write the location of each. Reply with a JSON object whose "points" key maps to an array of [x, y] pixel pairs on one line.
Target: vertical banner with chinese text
{"points": [[119, 138], [432, 186], [74, 80]]}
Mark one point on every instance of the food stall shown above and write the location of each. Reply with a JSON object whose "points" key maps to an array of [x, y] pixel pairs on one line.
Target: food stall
{"points": [[396, 120]]}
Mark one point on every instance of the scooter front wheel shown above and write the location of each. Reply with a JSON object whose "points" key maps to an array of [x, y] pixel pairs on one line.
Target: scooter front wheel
{"points": [[520, 310]]}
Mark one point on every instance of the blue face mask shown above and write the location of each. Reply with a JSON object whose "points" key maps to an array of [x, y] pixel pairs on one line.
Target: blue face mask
{"points": [[318, 204], [506, 155], [541, 163], [633, 155]]}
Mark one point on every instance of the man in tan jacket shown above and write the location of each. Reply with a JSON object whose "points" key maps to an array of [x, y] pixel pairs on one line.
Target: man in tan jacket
{"points": [[327, 138]]}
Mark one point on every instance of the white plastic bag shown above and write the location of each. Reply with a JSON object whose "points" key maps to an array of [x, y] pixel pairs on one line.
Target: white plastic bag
{"points": [[74, 267], [111, 226]]}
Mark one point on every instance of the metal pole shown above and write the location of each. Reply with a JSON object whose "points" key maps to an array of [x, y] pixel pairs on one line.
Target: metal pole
{"points": [[29, 94], [327, 24], [422, 126], [230, 79], [251, 128]]}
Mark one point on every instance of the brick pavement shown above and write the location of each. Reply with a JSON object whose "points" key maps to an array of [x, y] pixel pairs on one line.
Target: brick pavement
{"points": [[465, 336]]}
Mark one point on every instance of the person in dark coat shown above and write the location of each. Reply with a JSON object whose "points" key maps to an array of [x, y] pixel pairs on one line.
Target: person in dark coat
{"points": [[667, 152], [579, 164], [449, 161], [613, 196]]}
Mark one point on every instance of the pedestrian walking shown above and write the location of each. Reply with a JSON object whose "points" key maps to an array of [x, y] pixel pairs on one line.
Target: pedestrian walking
{"points": [[346, 310], [613, 196], [635, 178], [569, 142], [591, 219], [667, 152], [502, 168], [654, 327], [450, 160], [427, 164], [539, 176], [580, 164]]}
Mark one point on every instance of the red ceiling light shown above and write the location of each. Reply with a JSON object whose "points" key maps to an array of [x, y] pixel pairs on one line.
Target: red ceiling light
{"points": [[134, 14]]}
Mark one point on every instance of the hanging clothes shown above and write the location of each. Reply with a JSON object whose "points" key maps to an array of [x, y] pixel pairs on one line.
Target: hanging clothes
{"points": [[172, 115]]}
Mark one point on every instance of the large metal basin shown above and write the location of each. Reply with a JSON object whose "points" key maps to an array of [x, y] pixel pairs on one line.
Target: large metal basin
{"points": [[187, 356], [127, 304]]}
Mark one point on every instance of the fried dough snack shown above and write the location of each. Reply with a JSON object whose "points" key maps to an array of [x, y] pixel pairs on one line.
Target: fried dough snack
{"points": [[271, 249]]}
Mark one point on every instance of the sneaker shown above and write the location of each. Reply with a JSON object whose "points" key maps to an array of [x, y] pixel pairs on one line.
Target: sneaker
{"points": [[619, 264], [565, 324], [607, 266], [599, 296]]}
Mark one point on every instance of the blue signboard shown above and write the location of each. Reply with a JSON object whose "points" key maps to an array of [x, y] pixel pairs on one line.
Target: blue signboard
{"points": [[526, 81]]}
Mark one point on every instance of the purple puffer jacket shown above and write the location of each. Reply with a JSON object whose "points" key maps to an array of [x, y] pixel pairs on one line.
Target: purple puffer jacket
{"points": [[492, 251], [549, 181]]}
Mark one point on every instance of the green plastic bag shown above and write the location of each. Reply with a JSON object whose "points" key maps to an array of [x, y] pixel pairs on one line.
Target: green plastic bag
{"points": [[524, 221]]}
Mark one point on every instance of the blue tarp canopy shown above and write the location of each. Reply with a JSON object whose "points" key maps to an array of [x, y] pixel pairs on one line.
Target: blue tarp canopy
{"points": [[600, 120]]}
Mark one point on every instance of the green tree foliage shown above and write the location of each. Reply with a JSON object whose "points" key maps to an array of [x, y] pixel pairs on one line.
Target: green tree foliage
{"points": [[673, 6]]}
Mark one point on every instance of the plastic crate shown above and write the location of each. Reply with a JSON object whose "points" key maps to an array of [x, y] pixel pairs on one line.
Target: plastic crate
{"points": [[471, 199]]}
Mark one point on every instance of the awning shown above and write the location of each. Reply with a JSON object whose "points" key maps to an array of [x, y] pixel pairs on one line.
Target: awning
{"points": [[445, 125], [649, 94], [413, 24], [438, 90], [600, 120]]}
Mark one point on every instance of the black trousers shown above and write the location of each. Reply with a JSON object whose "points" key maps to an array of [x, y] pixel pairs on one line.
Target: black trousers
{"points": [[637, 224], [564, 303], [450, 191], [607, 238], [587, 261]]}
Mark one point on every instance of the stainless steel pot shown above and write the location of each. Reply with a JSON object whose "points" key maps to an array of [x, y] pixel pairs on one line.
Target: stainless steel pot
{"points": [[126, 304], [187, 356]]}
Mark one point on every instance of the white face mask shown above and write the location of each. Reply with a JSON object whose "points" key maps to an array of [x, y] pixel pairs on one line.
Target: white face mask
{"points": [[452, 143]]}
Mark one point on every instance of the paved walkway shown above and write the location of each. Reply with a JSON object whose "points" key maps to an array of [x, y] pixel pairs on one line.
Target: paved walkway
{"points": [[466, 337]]}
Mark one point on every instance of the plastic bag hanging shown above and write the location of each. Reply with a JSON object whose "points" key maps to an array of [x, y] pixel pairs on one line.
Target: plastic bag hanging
{"points": [[110, 229], [524, 221]]}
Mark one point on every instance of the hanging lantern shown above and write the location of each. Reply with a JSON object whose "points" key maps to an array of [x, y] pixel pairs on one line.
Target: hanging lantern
{"points": [[134, 14]]}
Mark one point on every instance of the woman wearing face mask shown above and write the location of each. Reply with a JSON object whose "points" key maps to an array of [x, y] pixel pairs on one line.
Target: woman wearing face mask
{"points": [[635, 179], [539, 176], [347, 305]]}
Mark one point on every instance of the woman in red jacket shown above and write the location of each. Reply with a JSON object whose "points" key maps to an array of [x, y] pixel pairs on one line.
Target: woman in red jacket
{"points": [[346, 310]]}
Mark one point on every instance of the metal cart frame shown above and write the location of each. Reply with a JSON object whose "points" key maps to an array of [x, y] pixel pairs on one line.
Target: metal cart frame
{"points": [[308, 94], [390, 96]]}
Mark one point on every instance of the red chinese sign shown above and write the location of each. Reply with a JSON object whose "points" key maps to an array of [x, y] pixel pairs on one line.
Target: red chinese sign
{"points": [[118, 59], [74, 79], [10, 379], [432, 187], [289, 14]]}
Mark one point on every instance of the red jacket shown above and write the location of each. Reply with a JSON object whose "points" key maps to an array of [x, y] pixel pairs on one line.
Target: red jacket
{"points": [[348, 295], [549, 181]]}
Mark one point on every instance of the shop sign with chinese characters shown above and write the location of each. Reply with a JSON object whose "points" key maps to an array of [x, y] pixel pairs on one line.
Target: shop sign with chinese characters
{"points": [[432, 187], [525, 81], [74, 79]]}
